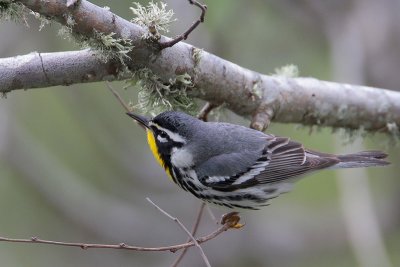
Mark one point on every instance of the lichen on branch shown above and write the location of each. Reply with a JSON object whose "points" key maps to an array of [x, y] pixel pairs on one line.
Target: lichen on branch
{"points": [[290, 71], [109, 47], [10, 11], [281, 98], [106, 46], [156, 96], [154, 16]]}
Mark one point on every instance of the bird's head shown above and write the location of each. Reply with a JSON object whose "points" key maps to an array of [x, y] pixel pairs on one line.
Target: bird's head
{"points": [[168, 133]]}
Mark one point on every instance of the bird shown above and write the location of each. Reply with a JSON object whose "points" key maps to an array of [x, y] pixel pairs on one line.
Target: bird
{"points": [[234, 166]]}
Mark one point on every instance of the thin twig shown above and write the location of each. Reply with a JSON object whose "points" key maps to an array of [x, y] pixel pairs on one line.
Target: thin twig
{"points": [[119, 98], [211, 213], [203, 114], [203, 255], [185, 35], [172, 248], [194, 230], [121, 101]]}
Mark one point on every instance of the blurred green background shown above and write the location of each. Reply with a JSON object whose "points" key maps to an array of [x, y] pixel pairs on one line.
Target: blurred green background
{"points": [[74, 168]]}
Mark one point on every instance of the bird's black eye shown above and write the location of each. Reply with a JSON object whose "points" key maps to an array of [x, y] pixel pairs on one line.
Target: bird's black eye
{"points": [[163, 134]]}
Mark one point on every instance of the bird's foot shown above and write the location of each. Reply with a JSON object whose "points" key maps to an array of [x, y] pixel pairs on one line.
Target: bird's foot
{"points": [[232, 220]]}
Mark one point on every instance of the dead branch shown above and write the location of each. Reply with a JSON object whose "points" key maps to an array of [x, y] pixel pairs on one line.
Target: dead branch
{"points": [[172, 248]]}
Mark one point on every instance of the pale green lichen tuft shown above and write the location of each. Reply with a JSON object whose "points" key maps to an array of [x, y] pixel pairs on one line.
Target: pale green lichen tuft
{"points": [[10, 11], [43, 21], [349, 136], [196, 55], [66, 32], [256, 90], [3, 95], [156, 96], [393, 128], [289, 71], [105, 46], [108, 47], [394, 131], [18, 13], [70, 21], [154, 16]]}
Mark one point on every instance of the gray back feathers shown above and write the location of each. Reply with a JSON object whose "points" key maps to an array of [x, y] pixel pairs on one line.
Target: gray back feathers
{"points": [[224, 149]]}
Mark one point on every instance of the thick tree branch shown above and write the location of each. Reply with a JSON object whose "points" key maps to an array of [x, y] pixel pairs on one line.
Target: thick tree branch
{"points": [[261, 97], [37, 70]]}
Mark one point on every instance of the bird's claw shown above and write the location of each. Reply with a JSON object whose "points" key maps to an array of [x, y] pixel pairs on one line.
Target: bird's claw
{"points": [[232, 219]]}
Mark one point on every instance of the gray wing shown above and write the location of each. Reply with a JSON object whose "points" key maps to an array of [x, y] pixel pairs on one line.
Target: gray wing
{"points": [[281, 159], [289, 159], [224, 169], [236, 149]]}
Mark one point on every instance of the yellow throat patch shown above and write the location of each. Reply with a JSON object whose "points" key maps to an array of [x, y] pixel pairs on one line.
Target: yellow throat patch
{"points": [[153, 147]]}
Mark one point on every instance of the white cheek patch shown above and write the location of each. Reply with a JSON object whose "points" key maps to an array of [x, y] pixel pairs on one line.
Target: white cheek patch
{"points": [[181, 158], [162, 139]]}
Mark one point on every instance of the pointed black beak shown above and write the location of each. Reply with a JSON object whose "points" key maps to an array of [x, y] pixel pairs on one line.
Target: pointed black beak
{"points": [[143, 121]]}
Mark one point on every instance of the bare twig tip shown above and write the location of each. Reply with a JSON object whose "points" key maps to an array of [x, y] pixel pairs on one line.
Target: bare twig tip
{"points": [[118, 97], [185, 35]]}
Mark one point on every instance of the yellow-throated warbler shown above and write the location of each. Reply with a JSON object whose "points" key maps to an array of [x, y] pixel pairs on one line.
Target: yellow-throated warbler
{"points": [[235, 166]]}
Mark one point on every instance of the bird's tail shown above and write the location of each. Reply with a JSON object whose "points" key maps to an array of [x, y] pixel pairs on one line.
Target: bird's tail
{"points": [[362, 159]]}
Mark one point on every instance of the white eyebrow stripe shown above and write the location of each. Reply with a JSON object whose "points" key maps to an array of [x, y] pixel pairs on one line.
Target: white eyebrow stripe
{"points": [[174, 136]]}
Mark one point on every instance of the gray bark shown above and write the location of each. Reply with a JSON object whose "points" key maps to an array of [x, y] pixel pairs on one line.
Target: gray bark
{"points": [[290, 100]]}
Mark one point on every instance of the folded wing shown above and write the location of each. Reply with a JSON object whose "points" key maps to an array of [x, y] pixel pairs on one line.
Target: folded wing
{"points": [[282, 160]]}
